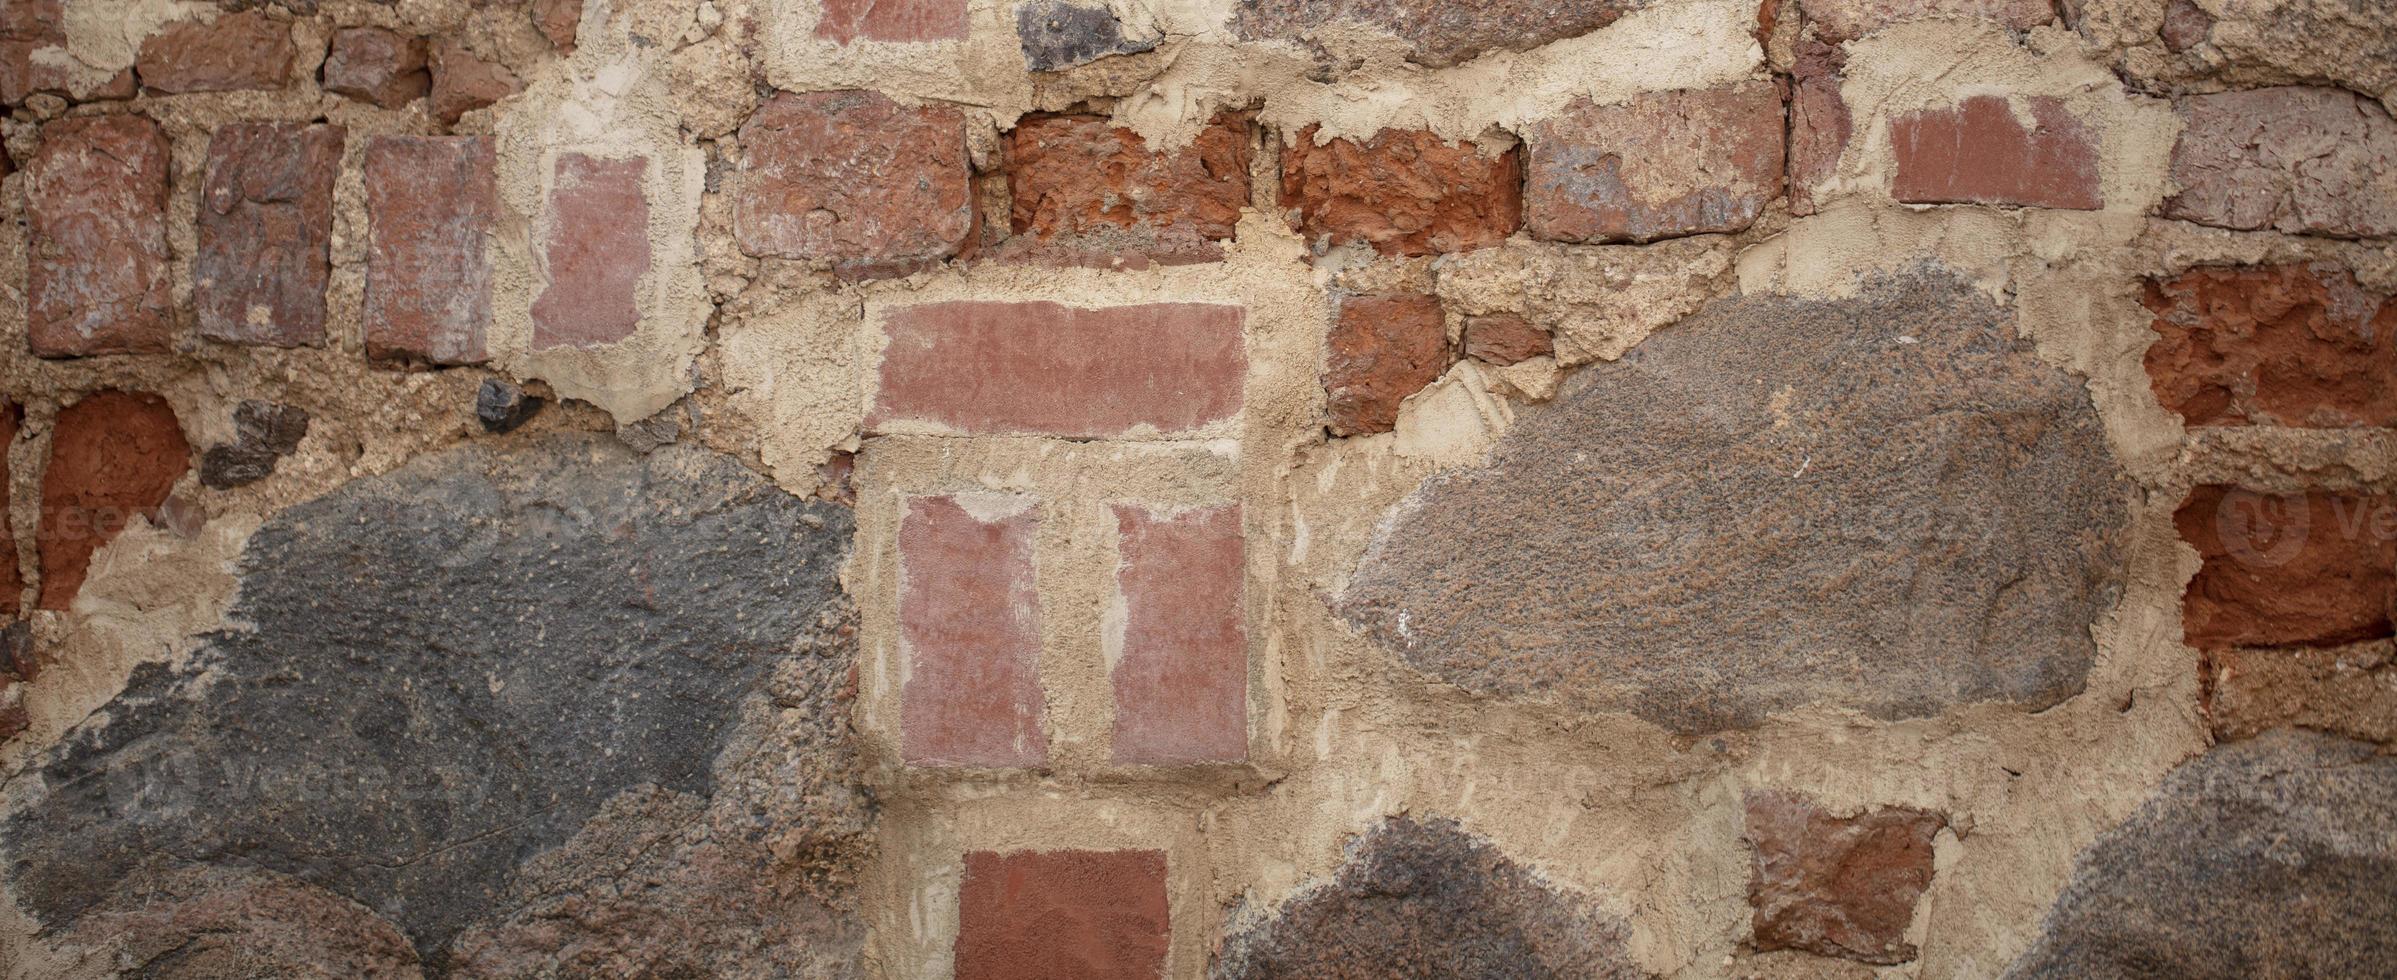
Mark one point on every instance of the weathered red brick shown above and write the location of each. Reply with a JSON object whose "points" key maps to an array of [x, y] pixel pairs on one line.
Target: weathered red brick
{"points": [[1843, 20], [1819, 121], [97, 278], [844, 21], [430, 206], [2273, 345], [969, 625], [1078, 182], [2297, 160], [1837, 886], [1662, 165], [113, 455], [374, 65], [596, 249], [27, 26], [1063, 915], [265, 230], [558, 20], [2186, 25], [1382, 349], [2350, 690], [1979, 153], [1048, 369], [247, 50], [853, 178], [2316, 569], [1181, 677], [1506, 338], [1405, 192], [463, 82], [12, 580]]}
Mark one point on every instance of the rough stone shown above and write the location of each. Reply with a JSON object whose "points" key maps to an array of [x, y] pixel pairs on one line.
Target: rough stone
{"points": [[212, 923], [2349, 690], [1405, 192], [18, 667], [2314, 568], [969, 625], [844, 21], [463, 82], [1778, 502], [236, 51], [1181, 672], [558, 21], [95, 200], [27, 26], [1837, 886], [2296, 160], [1078, 183], [502, 406], [596, 249], [264, 433], [1382, 349], [374, 65], [528, 699], [1046, 369], [2287, 345], [12, 579], [1056, 34], [1819, 122], [1845, 20], [1437, 33], [1662, 165], [1506, 338], [265, 230], [2186, 25], [114, 455], [1423, 898], [2269, 857], [1062, 915], [1979, 153], [431, 204], [855, 179]]}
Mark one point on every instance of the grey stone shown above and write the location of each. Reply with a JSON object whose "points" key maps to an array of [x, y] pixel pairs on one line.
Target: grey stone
{"points": [[1438, 33], [2275, 857], [531, 697], [502, 406], [1057, 35], [1884, 503], [264, 433], [235, 465]]}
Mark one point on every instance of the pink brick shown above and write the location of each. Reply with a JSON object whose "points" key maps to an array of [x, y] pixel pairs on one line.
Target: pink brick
{"points": [[596, 250], [430, 202], [1048, 369], [1979, 153], [97, 277], [892, 20], [855, 179], [265, 228], [1063, 915], [969, 625], [1181, 680]]}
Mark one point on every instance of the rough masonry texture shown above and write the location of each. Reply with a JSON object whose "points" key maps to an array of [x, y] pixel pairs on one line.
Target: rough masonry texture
{"points": [[1437, 33], [431, 204], [1160, 368], [815, 165], [266, 227], [1382, 348], [1699, 501], [1979, 153], [1833, 885], [2273, 345], [1062, 915], [95, 203], [1077, 182], [247, 50], [114, 456], [1403, 192], [1057, 34], [1660, 166], [384, 67], [2297, 160], [2311, 568]]}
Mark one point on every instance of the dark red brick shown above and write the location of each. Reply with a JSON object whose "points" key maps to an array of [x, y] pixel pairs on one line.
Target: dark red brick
{"points": [[2306, 161], [2186, 25], [1047, 369], [855, 179], [1979, 153], [430, 205], [969, 626], [114, 456], [2312, 569], [1819, 122], [97, 279], [1837, 886], [596, 249], [1662, 165], [1405, 192], [1382, 349], [463, 82], [1078, 182], [1844, 20], [371, 64], [247, 50], [1181, 680], [844, 21], [265, 230], [1506, 338], [1063, 915], [27, 26], [2273, 345], [12, 580], [558, 20]]}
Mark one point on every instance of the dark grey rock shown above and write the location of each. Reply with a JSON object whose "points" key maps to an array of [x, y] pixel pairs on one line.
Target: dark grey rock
{"points": [[235, 465], [264, 433], [1426, 899], [502, 406], [1057, 35], [2275, 857], [1884, 503]]}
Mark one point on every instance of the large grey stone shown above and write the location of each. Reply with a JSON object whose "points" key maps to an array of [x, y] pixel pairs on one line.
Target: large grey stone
{"points": [[2275, 857], [1884, 503], [1438, 33], [575, 708]]}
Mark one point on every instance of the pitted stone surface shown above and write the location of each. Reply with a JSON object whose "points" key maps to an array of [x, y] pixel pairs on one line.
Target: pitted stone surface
{"points": [[1438, 33], [525, 698], [1057, 35], [1883, 503]]}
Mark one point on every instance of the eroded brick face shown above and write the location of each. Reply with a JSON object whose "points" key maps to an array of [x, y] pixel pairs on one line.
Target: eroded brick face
{"points": [[2313, 569], [844, 21], [1181, 676], [1819, 121], [1405, 192], [1506, 338], [12, 580], [1062, 915], [1661, 165], [1843, 20], [1382, 349], [375, 65], [97, 280], [1042, 368], [2273, 345], [969, 619], [1837, 886], [2350, 690], [114, 456], [247, 50], [1979, 153], [25, 27], [2297, 160], [430, 203], [265, 228], [464, 82], [1078, 182], [854, 179], [596, 250]]}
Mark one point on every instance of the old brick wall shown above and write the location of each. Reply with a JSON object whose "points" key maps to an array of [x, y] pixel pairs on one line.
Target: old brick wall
{"points": [[1212, 489]]}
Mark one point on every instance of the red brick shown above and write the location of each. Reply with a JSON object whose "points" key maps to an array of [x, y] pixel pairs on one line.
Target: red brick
{"points": [[265, 230], [558, 20], [1405, 192], [1078, 182], [12, 580], [1819, 122], [1046, 369], [1181, 679], [2315, 161], [374, 65], [853, 178], [430, 205], [2313, 569], [844, 21], [1979, 153], [1662, 165], [1063, 915], [463, 83], [248, 50], [2273, 345], [596, 249], [113, 455], [1505, 338], [1837, 886], [1843, 20], [969, 626], [97, 276], [27, 26], [1382, 349]]}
